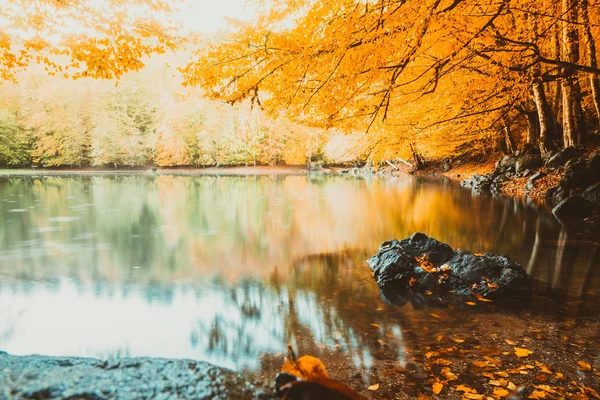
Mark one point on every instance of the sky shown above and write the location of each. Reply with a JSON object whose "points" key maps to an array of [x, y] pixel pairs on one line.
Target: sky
{"points": [[207, 16]]}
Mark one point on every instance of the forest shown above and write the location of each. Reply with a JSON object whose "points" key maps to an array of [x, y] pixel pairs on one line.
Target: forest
{"points": [[438, 78]]}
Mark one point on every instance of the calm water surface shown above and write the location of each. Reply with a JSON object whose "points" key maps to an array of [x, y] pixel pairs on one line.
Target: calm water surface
{"points": [[230, 269]]}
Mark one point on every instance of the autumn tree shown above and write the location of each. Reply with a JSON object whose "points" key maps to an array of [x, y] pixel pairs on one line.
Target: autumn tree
{"points": [[82, 38], [439, 73]]}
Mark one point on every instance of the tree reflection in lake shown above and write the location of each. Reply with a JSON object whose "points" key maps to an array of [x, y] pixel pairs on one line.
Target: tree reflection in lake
{"points": [[228, 269]]}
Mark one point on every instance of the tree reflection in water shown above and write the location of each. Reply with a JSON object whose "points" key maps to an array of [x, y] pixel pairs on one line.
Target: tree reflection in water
{"points": [[230, 270]]}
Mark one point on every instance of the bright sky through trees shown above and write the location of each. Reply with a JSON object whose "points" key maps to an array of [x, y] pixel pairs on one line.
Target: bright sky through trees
{"points": [[209, 16]]}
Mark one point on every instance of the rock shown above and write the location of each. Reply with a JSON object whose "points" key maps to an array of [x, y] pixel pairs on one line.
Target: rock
{"points": [[39, 377], [573, 207], [531, 182], [401, 278], [593, 164], [579, 175], [528, 161], [446, 165], [555, 195], [508, 161], [592, 194], [562, 157]]}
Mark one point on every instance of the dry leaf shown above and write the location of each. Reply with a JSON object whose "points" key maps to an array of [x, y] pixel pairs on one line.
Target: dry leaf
{"points": [[412, 281], [520, 352], [464, 388], [305, 367], [446, 373], [470, 303], [474, 396], [510, 342], [537, 394], [437, 387], [373, 387], [584, 366], [500, 392], [434, 315]]}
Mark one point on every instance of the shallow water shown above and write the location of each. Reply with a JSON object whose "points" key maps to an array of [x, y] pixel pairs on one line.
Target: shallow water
{"points": [[231, 269]]}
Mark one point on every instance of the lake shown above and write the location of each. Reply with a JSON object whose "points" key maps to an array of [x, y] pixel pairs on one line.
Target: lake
{"points": [[231, 269]]}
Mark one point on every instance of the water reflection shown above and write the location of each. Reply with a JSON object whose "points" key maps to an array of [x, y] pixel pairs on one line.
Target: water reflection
{"points": [[226, 269]]}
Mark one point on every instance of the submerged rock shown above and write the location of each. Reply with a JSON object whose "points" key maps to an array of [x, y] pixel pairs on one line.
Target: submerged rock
{"points": [[39, 377], [427, 272], [573, 207]]}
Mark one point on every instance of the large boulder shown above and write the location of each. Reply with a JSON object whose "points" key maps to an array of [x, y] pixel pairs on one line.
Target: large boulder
{"points": [[562, 157], [531, 182], [592, 194], [38, 377], [427, 272], [528, 161], [573, 207]]}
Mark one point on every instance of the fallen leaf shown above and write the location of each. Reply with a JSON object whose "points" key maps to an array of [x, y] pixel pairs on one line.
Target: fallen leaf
{"points": [[446, 373], [464, 388], [510, 342], [412, 281], [520, 352], [434, 315], [458, 340], [305, 367], [437, 387], [500, 392], [584, 366], [537, 394], [470, 303], [373, 387], [474, 396]]}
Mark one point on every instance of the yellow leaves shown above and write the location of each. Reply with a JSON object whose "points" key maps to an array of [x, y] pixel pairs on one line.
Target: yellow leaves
{"points": [[465, 389], [474, 396], [305, 367], [499, 393], [584, 366], [424, 263], [510, 342], [373, 387], [437, 387], [521, 352], [446, 373], [537, 394], [470, 303]]}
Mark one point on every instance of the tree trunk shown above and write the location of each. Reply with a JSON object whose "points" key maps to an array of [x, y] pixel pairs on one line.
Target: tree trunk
{"points": [[556, 93], [544, 114], [591, 56], [533, 127], [573, 123], [509, 141]]}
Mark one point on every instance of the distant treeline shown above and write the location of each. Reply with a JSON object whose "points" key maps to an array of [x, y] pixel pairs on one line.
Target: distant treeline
{"points": [[145, 120]]}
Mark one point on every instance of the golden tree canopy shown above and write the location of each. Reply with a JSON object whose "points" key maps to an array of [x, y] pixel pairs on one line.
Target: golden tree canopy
{"points": [[82, 38]]}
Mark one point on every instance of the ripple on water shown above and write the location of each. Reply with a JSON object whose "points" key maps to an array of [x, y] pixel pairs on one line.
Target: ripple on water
{"points": [[64, 219]]}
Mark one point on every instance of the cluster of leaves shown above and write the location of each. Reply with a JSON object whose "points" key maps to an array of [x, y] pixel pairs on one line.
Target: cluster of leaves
{"points": [[82, 38]]}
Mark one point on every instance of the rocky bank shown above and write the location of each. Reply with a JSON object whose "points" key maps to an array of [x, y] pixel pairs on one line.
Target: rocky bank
{"points": [[41, 377]]}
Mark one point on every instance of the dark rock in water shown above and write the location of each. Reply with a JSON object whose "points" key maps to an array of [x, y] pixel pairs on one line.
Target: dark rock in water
{"points": [[531, 182], [38, 377], [555, 195], [478, 183], [562, 157], [592, 194], [427, 272], [573, 207], [528, 161]]}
